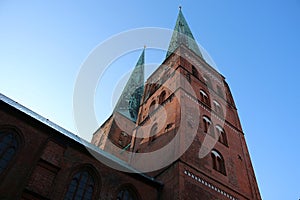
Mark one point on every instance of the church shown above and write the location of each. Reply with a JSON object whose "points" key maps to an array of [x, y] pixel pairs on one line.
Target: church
{"points": [[176, 135]]}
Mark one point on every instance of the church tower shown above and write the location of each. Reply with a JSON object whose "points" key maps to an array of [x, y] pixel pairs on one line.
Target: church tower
{"points": [[115, 134], [184, 128]]}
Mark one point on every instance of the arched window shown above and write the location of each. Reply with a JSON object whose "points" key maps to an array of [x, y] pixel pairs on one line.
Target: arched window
{"points": [[207, 81], [124, 139], [219, 91], [127, 193], [153, 132], [8, 147], [218, 162], [222, 135], [194, 71], [218, 108], [162, 97], [188, 77], [204, 97], [81, 186], [152, 106], [208, 126]]}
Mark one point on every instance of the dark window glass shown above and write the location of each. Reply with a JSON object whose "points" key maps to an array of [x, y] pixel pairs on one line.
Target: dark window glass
{"points": [[162, 97], [81, 187], [222, 135], [194, 71], [188, 77], [204, 97], [126, 194], [8, 147], [218, 162], [207, 126]]}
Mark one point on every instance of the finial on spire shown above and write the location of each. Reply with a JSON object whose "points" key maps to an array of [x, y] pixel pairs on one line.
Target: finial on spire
{"points": [[180, 7], [144, 46], [182, 35]]}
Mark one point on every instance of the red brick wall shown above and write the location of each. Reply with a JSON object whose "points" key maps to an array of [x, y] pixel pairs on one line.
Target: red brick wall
{"points": [[46, 161], [239, 180]]}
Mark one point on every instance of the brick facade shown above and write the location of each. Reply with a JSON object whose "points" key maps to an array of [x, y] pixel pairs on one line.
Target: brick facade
{"points": [[46, 160], [173, 102]]}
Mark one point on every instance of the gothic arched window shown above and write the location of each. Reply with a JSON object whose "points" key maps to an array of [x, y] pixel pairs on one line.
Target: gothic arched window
{"points": [[162, 97], [204, 97], [153, 132], [219, 91], [188, 77], [222, 135], [195, 72], [217, 108], [127, 193], [8, 147], [207, 81], [208, 126], [218, 162], [81, 186], [152, 106]]}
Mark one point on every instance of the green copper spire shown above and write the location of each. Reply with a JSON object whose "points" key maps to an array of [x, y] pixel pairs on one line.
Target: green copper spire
{"points": [[182, 35], [129, 101]]}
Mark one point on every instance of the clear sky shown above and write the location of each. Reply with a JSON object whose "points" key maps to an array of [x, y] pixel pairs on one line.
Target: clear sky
{"points": [[255, 45]]}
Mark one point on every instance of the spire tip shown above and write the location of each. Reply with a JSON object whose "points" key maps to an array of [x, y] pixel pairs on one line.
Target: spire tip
{"points": [[180, 7]]}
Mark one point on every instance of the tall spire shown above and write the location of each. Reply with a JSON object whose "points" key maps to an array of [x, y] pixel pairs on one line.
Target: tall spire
{"points": [[182, 35], [129, 101]]}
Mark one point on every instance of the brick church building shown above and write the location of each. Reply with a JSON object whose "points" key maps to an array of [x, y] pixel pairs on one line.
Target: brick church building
{"points": [[176, 135]]}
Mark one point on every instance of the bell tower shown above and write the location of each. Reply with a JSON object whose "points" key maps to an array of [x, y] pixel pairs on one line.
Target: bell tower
{"points": [[115, 134], [187, 105], [182, 127]]}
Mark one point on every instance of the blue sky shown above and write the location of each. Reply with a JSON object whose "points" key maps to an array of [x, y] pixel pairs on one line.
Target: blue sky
{"points": [[255, 45]]}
